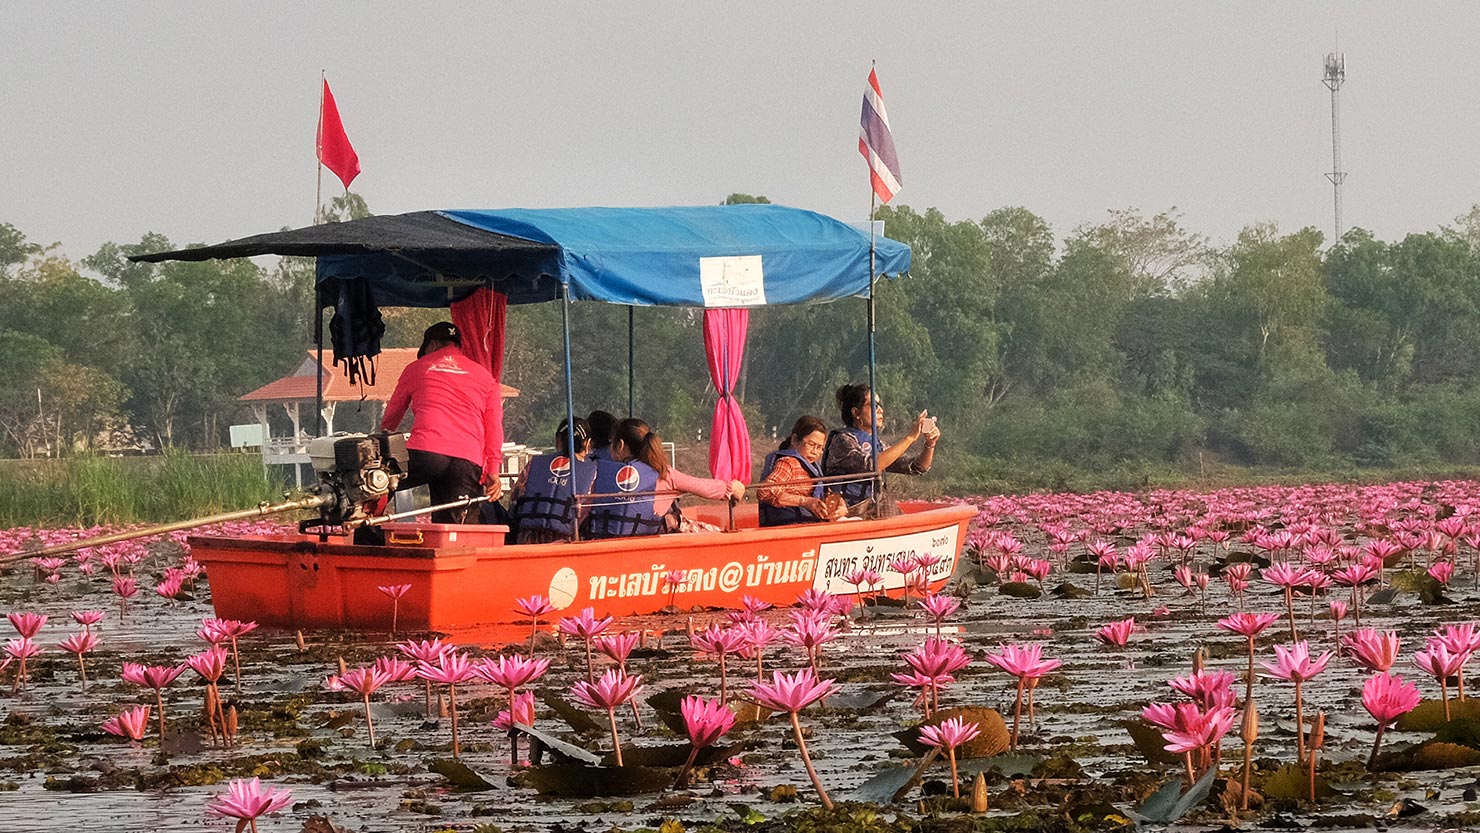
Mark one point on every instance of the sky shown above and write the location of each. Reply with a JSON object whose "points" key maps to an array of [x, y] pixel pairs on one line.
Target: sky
{"points": [[197, 120]]}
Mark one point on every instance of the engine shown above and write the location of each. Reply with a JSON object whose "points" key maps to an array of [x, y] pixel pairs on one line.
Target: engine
{"points": [[357, 470]]}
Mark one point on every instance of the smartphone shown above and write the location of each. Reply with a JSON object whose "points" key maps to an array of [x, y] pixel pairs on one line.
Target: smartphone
{"points": [[927, 425]]}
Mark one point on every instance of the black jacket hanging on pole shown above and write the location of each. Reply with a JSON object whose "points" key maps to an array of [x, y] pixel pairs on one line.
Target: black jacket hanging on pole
{"points": [[355, 329]]}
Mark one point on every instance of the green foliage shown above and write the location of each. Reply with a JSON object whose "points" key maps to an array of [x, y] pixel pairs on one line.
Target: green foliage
{"points": [[84, 491], [1125, 353]]}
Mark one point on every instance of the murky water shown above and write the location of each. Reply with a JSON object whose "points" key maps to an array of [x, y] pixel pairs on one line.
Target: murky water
{"points": [[290, 734]]}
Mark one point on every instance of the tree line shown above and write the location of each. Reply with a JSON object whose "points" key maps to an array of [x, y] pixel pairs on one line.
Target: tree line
{"points": [[1127, 341]]}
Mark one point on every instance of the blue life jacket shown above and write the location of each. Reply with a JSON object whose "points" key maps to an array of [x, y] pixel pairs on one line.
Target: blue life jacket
{"points": [[598, 454], [548, 500], [618, 517], [772, 515], [853, 492]]}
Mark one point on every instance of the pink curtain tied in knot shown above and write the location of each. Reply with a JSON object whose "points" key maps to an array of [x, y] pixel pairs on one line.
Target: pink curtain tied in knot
{"points": [[480, 319], [724, 347]]}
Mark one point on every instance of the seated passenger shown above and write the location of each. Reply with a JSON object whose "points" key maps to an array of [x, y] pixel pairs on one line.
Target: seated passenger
{"points": [[850, 451], [544, 505], [639, 466], [789, 492], [602, 424]]}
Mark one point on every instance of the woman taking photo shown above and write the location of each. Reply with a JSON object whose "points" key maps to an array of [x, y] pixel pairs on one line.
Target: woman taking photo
{"points": [[850, 450]]}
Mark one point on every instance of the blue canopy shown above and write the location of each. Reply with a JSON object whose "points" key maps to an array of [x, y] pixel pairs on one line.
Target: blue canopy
{"points": [[717, 256]]}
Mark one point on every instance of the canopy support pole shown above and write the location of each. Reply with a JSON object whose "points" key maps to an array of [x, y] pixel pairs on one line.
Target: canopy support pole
{"points": [[873, 385], [570, 402], [631, 362], [318, 340]]}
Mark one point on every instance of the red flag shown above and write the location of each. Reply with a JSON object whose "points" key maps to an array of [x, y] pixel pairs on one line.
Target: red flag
{"points": [[335, 151]]}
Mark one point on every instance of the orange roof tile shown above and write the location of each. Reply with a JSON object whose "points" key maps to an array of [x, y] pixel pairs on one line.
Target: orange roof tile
{"points": [[300, 385]]}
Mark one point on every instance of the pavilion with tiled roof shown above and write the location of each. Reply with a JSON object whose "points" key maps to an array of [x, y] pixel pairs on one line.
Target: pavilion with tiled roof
{"points": [[296, 392]]}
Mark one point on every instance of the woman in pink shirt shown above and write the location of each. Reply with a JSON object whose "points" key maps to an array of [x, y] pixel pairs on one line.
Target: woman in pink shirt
{"points": [[634, 440]]}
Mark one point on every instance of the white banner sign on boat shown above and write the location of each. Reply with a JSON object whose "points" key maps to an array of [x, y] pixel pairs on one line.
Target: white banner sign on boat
{"points": [[837, 559]]}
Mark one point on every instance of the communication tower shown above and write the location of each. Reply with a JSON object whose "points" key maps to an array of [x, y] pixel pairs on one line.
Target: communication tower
{"points": [[1335, 77]]}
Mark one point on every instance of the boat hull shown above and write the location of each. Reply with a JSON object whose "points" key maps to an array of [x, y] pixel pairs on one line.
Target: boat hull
{"points": [[297, 581]]}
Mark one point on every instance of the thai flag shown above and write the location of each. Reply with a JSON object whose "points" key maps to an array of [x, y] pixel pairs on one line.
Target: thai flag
{"points": [[877, 144]]}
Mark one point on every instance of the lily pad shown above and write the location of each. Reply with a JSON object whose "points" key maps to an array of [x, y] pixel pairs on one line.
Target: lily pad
{"points": [[1428, 716], [460, 774], [1383, 597], [1009, 765], [889, 785], [559, 747], [1149, 742], [1441, 755], [576, 781], [1071, 591], [1020, 590], [1170, 803], [669, 755], [992, 740], [578, 719], [860, 701]]}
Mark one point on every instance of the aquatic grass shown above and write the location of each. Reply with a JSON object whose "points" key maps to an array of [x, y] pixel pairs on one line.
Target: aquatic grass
{"points": [[88, 491]]}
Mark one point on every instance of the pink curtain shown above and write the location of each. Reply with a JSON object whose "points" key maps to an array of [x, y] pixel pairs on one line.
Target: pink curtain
{"points": [[480, 319], [729, 439]]}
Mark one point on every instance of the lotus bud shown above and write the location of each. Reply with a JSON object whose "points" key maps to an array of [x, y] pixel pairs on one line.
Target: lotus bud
{"points": [[441, 706], [1318, 732], [301, 646], [979, 794], [342, 669], [231, 721], [1250, 732], [1197, 661]]}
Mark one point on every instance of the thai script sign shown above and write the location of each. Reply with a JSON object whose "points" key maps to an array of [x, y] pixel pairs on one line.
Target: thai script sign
{"points": [[840, 558]]}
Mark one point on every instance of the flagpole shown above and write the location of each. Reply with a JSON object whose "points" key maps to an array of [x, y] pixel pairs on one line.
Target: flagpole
{"points": [[318, 311], [873, 416], [318, 153]]}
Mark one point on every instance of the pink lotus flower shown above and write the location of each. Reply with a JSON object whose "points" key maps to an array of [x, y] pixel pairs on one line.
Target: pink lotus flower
{"points": [[171, 587], [1441, 663], [758, 635], [427, 651], [1190, 727], [1387, 698], [512, 672], [811, 630], [753, 605], [534, 607], [587, 627], [124, 588], [1442, 571], [938, 606], [521, 713], [613, 689], [1248, 625], [23, 649], [364, 681], [719, 642], [1208, 689], [395, 669], [247, 800], [1025, 662], [27, 624], [451, 669], [1117, 634], [950, 734], [87, 618], [791, 694], [705, 721], [1294, 664], [156, 677], [80, 643], [130, 723], [1372, 649], [618, 646], [395, 592], [210, 664]]}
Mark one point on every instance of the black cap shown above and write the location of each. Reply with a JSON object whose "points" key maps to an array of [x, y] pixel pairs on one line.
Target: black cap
{"points": [[443, 332]]}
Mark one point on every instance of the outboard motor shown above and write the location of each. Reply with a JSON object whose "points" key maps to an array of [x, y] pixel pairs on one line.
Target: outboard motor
{"points": [[357, 470]]}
